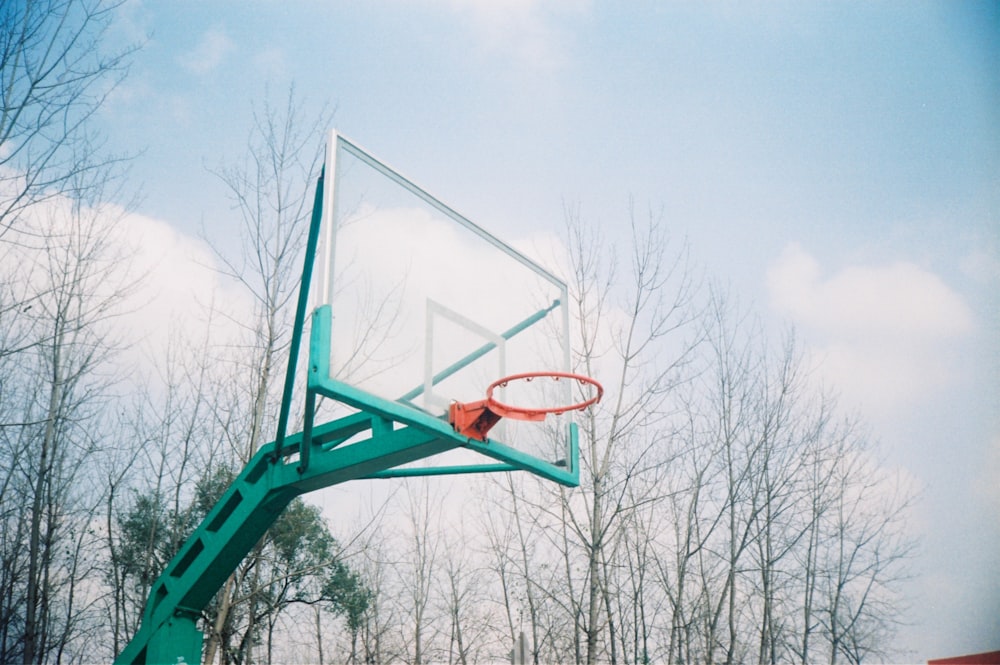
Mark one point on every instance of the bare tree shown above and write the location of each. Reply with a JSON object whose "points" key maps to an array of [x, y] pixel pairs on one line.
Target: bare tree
{"points": [[631, 332], [466, 599], [55, 73], [74, 274], [761, 499], [165, 442], [866, 553], [513, 535], [640, 604], [272, 191], [380, 616], [417, 572]]}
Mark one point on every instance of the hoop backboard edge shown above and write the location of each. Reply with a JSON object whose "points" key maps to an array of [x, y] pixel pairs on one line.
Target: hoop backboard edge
{"points": [[337, 247]]}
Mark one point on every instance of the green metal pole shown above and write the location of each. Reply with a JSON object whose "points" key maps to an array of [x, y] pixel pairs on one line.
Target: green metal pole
{"points": [[241, 517], [178, 641], [300, 317]]}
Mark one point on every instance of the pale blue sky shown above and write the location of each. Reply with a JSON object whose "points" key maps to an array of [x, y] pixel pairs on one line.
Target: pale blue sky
{"points": [[837, 163]]}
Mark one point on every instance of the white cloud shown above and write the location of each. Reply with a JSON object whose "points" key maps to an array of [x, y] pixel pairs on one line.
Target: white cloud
{"points": [[860, 301], [881, 333], [213, 48], [159, 282], [180, 282]]}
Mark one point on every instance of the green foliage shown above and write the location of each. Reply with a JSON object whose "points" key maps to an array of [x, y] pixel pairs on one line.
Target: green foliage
{"points": [[300, 536], [143, 539], [305, 548], [150, 532], [347, 594], [210, 488]]}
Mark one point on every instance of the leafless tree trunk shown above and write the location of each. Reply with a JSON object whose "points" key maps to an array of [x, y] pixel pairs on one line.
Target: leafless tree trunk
{"points": [[380, 616], [640, 605], [55, 73], [418, 573], [819, 495], [319, 638], [499, 534], [866, 554], [678, 566], [524, 529], [81, 284], [460, 601], [623, 342], [791, 426]]}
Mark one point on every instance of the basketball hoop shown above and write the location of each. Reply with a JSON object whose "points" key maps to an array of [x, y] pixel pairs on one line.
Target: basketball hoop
{"points": [[475, 419]]}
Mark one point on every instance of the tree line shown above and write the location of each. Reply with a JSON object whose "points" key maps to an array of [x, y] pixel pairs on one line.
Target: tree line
{"points": [[728, 511]]}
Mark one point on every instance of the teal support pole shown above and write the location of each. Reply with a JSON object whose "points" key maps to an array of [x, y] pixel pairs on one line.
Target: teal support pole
{"points": [[241, 517], [178, 641], [312, 240]]}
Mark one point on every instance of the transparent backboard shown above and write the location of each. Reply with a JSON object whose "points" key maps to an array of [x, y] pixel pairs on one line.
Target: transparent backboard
{"points": [[428, 308]]}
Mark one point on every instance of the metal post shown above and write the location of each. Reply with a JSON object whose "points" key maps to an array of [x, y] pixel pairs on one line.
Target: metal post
{"points": [[176, 642]]}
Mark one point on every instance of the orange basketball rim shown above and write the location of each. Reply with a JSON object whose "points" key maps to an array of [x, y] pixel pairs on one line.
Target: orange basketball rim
{"points": [[475, 419]]}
